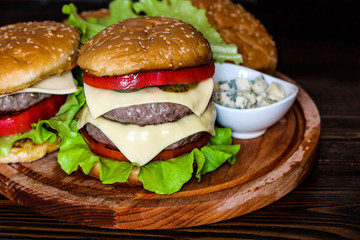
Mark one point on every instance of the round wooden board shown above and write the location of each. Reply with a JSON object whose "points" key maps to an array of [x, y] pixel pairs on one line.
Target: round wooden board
{"points": [[267, 168]]}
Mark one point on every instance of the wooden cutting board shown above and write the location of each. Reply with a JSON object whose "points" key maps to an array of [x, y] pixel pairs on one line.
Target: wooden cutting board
{"points": [[267, 168]]}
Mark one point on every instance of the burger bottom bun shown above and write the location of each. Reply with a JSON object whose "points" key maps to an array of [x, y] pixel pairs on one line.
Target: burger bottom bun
{"points": [[27, 151], [131, 181]]}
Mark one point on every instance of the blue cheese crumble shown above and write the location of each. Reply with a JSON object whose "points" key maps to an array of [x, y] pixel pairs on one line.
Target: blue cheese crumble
{"points": [[242, 93]]}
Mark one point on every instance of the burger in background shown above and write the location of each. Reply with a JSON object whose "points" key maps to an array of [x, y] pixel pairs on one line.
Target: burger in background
{"points": [[36, 59], [238, 26], [235, 35], [178, 9], [149, 116]]}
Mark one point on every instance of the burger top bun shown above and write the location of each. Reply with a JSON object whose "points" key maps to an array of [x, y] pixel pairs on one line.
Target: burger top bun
{"points": [[235, 25], [144, 44], [238, 26], [32, 51]]}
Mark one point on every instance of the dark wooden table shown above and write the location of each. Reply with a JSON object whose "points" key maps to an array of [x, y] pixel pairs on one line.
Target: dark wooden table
{"points": [[325, 206]]}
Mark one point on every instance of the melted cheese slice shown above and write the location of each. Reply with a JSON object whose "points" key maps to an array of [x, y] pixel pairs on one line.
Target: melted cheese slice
{"points": [[141, 144], [55, 84], [101, 101]]}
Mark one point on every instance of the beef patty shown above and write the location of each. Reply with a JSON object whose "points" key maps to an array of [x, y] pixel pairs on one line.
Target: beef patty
{"points": [[149, 114], [18, 102], [99, 136]]}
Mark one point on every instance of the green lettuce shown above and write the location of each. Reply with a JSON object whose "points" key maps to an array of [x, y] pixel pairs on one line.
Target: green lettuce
{"points": [[161, 177], [180, 9]]}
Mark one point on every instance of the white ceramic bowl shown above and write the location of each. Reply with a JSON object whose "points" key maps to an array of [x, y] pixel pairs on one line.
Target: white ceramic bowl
{"points": [[253, 122]]}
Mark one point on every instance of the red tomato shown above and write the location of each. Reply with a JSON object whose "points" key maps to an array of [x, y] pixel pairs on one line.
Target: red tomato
{"points": [[101, 150], [152, 78], [21, 121]]}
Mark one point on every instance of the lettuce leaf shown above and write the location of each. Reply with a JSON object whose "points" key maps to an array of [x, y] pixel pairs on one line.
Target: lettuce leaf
{"points": [[161, 177], [180, 9], [166, 177], [6, 143], [87, 28]]}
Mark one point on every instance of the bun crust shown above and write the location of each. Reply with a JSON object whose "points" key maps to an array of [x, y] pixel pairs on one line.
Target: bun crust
{"points": [[144, 44], [27, 151], [100, 13], [238, 26], [32, 51], [131, 181]]}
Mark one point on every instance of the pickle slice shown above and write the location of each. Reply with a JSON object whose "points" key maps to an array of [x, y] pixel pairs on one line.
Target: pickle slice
{"points": [[178, 88]]}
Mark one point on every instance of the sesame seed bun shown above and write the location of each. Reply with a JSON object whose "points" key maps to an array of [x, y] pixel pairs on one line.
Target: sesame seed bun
{"points": [[238, 26], [32, 51], [235, 25], [100, 13], [144, 44]]}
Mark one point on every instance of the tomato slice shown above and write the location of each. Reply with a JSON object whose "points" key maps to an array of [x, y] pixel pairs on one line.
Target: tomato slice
{"points": [[101, 150], [21, 121], [151, 78]]}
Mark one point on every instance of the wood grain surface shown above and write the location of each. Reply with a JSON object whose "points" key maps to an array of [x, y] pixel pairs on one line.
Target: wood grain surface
{"points": [[267, 168]]}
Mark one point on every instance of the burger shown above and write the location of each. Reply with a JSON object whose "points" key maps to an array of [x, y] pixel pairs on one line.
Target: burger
{"points": [[148, 87], [230, 21], [35, 79], [238, 26]]}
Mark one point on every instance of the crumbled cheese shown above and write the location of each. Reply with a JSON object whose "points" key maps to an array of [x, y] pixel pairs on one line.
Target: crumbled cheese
{"points": [[243, 93], [275, 92], [242, 84], [259, 85]]}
